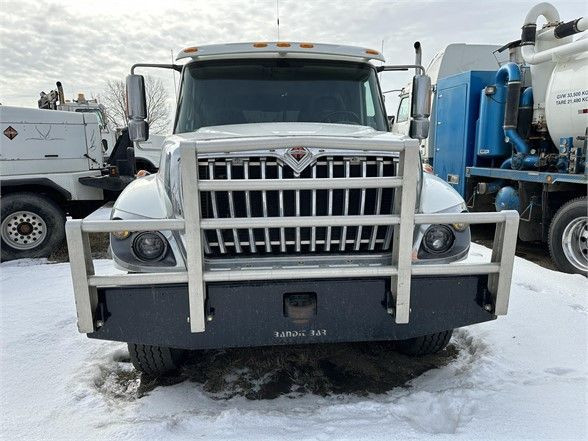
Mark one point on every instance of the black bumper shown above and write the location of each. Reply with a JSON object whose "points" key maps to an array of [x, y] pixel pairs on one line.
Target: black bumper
{"points": [[253, 314]]}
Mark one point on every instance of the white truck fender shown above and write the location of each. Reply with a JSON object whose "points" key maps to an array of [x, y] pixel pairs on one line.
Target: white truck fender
{"points": [[438, 196], [144, 197]]}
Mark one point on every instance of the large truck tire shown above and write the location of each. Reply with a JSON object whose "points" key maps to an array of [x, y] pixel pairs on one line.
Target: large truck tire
{"points": [[32, 226], [424, 345], [155, 360], [568, 237]]}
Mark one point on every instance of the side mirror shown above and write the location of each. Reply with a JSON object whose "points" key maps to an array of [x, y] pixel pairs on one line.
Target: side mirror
{"points": [[137, 108], [420, 106], [391, 119]]}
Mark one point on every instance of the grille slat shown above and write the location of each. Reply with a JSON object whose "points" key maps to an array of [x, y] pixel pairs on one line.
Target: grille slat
{"points": [[296, 202], [345, 208], [361, 207], [378, 205], [252, 244], [236, 241], [313, 213], [268, 246], [281, 196], [297, 215], [330, 207], [219, 233]]}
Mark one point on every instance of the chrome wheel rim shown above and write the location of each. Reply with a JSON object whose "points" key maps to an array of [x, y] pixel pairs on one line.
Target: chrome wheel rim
{"points": [[574, 242], [23, 230]]}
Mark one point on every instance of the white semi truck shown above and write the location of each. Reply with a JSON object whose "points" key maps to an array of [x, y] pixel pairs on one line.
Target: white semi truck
{"points": [[51, 165], [285, 212], [43, 154], [60, 160]]}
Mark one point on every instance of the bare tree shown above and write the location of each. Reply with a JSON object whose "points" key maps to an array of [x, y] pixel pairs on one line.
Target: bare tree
{"points": [[158, 111]]}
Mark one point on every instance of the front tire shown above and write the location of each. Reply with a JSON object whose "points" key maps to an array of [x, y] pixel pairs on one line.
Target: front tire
{"points": [[568, 237], [32, 226], [155, 360], [424, 345]]}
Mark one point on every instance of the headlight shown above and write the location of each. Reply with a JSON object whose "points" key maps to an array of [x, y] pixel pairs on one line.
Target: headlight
{"points": [[438, 239], [149, 246]]}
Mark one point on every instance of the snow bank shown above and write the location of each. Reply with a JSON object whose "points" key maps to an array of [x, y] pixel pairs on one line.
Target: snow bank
{"points": [[523, 376]]}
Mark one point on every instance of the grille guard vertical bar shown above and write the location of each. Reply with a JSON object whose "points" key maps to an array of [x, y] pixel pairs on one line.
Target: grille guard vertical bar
{"points": [[404, 205], [82, 267], [193, 234], [503, 252]]}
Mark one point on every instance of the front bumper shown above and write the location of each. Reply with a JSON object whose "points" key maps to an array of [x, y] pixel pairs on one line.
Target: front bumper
{"points": [[199, 280], [253, 313]]}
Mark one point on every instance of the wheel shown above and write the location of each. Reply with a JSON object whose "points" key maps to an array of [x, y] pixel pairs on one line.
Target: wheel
{"points": [[146, 165], [155, 360], [424, 345], [568, 237], [32, 226]]}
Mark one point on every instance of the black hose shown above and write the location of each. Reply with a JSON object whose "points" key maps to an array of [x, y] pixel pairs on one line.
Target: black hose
{"points": [[566, 29], [528, 34], [511, 113]]}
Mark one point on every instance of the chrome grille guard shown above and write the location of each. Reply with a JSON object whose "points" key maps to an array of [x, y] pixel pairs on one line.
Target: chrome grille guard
{"points": [[191, 226]]}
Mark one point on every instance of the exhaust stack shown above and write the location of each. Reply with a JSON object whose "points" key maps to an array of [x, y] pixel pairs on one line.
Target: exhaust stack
{"points": [[418, 55], [60, 93]]}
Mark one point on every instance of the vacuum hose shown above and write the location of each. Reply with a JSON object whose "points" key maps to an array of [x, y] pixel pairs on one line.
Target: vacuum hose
{"points": [[557, 31], [509, 75]]}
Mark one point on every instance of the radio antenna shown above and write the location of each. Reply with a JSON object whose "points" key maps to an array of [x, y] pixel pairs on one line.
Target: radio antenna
{"points": [[174, 75], [278, 17]]}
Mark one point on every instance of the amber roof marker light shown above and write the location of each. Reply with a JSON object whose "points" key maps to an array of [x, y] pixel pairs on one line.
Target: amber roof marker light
{"points": [[190, 50], [306, 45], [259, 44], [283, 44], [372, 52]]}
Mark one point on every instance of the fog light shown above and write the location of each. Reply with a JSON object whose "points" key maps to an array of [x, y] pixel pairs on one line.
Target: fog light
{"points": [[459, 226], [438, 239], [149, 246], [120, 235]]}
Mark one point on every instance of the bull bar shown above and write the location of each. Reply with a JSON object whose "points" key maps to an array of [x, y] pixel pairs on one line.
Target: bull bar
{"points": [[400, 270]]}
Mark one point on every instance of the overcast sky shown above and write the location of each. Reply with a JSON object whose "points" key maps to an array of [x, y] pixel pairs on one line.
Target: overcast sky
{"points": [[84, 43]]}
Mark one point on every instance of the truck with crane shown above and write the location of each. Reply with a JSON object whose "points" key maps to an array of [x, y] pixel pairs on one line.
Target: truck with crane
{"points": [[515, 137], [285, 212]]}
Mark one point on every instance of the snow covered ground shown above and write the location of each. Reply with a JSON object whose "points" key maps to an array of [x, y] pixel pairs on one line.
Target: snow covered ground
{"points": [[523, 376]]}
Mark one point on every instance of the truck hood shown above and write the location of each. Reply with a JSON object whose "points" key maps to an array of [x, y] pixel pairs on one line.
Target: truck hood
{"points": [[286, 129]]}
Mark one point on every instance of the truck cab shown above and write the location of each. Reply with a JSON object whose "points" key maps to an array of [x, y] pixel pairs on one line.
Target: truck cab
{"points": [[285, 212]]}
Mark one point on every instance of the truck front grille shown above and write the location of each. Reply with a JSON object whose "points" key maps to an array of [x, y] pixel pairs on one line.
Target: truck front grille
{"points": [[285, 203]]}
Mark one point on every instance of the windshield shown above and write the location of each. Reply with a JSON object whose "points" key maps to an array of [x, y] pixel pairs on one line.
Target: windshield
{"points": [[224, 92], [95, 111]]}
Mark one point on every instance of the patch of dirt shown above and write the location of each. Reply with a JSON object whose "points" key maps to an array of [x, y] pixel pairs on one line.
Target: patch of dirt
{"points": [[119, 382], [99, 243], [327, 369]]}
